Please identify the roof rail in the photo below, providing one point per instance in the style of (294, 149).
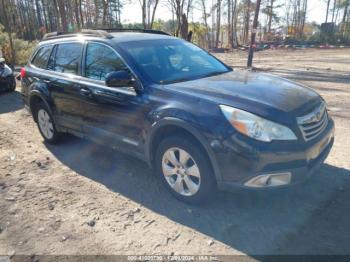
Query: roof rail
(140, 30)
(87, 32)
(105, 33)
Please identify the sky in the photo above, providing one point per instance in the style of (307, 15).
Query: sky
(131, 13)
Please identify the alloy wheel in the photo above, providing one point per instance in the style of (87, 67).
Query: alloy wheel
(181, 171)
(45, 124)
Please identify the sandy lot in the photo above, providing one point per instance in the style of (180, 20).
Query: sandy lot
(82, 198)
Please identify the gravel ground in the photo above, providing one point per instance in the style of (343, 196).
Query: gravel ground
(82, 198)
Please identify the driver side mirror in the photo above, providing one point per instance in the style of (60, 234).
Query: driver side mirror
(120, 79)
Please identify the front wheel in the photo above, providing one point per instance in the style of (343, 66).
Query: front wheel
(46, 124)
(185, 169)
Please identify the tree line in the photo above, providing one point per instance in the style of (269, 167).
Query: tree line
(30, 19)
(223, 22)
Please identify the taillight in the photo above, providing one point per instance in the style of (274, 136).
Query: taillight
(23, 72)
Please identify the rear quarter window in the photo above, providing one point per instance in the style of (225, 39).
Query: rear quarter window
(42, 56)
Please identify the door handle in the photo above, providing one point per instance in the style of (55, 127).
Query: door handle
(47, 81)
(85, 92)
(109, 95)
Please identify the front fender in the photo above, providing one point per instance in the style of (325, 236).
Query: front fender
(172, 121)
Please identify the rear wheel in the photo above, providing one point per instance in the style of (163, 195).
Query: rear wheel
(46, 124)
(185, 169)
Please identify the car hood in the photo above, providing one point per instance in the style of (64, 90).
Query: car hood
(253, 92)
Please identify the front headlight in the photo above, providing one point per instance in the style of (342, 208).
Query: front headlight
(256, 127)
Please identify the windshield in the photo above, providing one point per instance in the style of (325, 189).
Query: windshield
(173, 60)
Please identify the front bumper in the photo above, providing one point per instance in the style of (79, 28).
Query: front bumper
(243, 160)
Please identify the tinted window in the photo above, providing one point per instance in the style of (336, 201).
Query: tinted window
(67, 58)
(168, 61)
(42, 56)
(101, 60)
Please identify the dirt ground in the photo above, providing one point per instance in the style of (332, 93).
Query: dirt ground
(82, 198)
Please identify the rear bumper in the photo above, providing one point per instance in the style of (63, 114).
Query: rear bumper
(244, 160)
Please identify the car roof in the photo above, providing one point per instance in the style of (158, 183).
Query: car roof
(116, 37)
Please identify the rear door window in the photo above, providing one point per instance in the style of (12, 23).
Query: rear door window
(101, 60)
(42, 56)
(67, 58)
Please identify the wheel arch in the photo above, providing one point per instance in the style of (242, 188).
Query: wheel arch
(170, 125)
(35, 98)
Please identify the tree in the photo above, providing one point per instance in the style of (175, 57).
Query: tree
(234, 24)
(38, 12)
(270, 15)
(7, 9)
(229, 23)
(246, 20)
(296, 16)
(345, 14)
(63, 15)
(253, 34)
(334, 10)
(149, 8)
(223, 23)
(77, 15)
(181, 9)
(218, 23)
(205, 16)
(105, 4)
(327, 13)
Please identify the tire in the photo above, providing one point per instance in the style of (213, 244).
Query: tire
(46, 124)
(191, 181)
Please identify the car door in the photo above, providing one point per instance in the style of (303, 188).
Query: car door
(63, 81)
(114, 116)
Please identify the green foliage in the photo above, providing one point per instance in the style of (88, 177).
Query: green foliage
(166, 26)
(2, 36)
(23, 49)
(199, 36)
(133, 26)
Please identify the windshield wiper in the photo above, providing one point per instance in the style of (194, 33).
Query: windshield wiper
(190, 78)
(214, 73)
(183, 79)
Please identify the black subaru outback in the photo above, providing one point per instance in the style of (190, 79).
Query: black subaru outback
(197, 122)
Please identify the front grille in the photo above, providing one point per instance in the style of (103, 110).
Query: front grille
(312, 124)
